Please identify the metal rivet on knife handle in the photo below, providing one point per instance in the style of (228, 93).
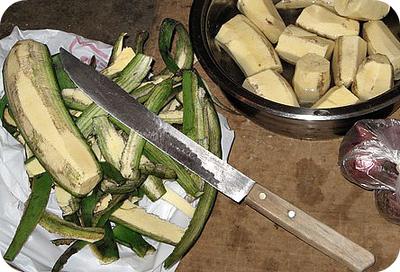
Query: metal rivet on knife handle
(291, 214)
(309, 229)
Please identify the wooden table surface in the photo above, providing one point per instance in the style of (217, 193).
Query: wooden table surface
(305, 173)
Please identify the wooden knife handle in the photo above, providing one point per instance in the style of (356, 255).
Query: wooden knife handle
(309, 229)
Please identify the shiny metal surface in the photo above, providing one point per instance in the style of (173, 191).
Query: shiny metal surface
(126, 109)
(207, 16)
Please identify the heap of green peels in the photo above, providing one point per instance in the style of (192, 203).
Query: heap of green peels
(131, 168)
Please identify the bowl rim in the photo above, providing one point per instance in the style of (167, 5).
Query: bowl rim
(197, 25)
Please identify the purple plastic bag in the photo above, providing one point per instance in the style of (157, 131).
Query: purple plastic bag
(369, 156)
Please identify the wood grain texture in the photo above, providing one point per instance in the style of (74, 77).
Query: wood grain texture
(309, 229)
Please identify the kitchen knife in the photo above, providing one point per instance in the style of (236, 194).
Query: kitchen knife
(213, 170)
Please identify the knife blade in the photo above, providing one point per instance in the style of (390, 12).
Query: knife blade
(213, 170)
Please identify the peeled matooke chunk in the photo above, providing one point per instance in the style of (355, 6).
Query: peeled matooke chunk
(67, 202)
(247, 46)
(338, 96)
(374, 77)
(264, 15)
(324, 22)
(349, 53)
(312, 78)
(296, 42)
(35, 101)
(363, 10)
(382, 41)
(296, 4)
(272, 86)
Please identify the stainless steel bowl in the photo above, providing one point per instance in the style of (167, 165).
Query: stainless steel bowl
(207, 16)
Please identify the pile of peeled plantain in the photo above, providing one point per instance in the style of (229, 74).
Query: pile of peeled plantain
(334, 65)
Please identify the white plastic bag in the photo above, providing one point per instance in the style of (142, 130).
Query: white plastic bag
(39, 254)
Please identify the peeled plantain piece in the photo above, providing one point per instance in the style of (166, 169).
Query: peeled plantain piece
(349, 53)
(296, 4)
(325, 23)
(363, 10)
(247, 46)
(312, 78)
(296, 42)
(338, 96)
(374, 77)
(382, 41)
(264, 15)
(272, 86)
(67, 202)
